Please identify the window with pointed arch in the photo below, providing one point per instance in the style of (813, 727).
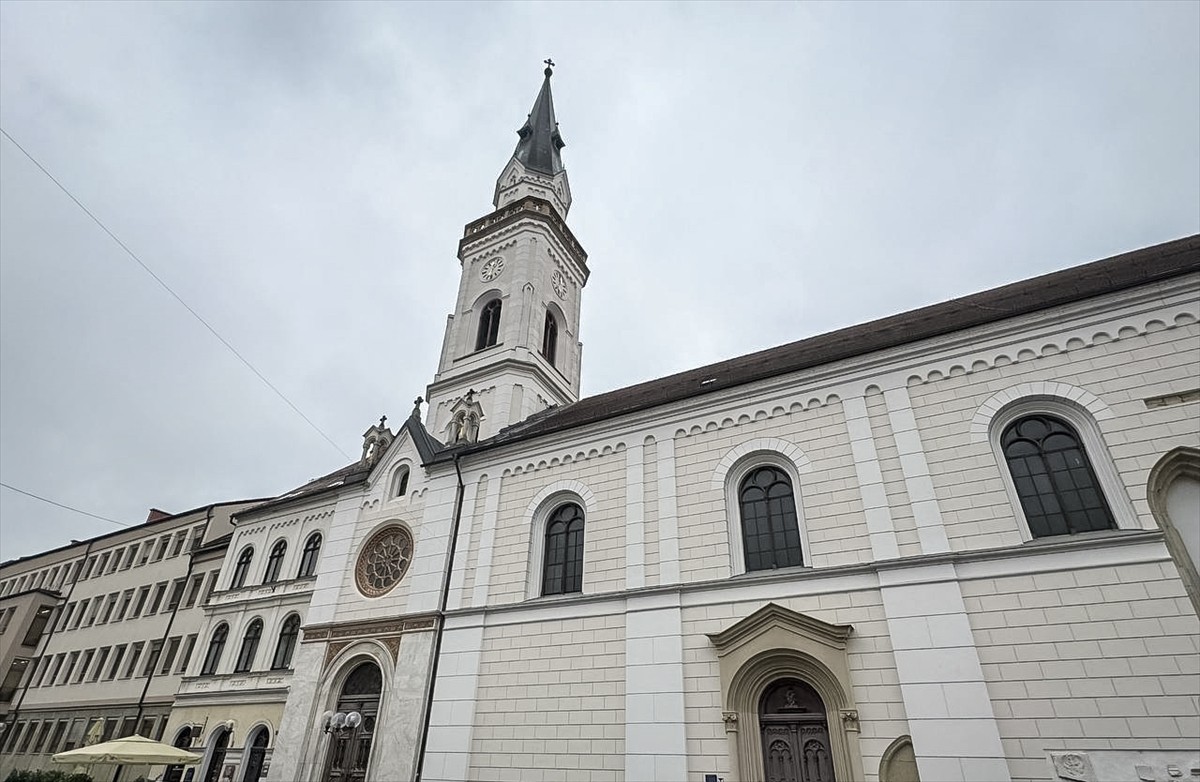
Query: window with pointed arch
(1054, 479)
(242, 569)
(550, 338)
(489, 325)
(770, 529)
(216, 647)
(275, 562)
(310, 555)
(286, 646)
(562, 563)
(246, 655)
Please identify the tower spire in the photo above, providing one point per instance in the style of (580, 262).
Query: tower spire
(540, 140)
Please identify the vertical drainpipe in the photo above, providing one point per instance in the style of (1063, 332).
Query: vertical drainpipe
(45, 643)
(440, 620)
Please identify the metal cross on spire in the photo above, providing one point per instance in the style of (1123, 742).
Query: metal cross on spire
(549, 66)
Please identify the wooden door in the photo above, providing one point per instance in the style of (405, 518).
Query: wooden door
(795, 734)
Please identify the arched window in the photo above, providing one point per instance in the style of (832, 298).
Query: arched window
(1053, 477)
(216, 760)
(245, 658)
(242, 568)
(216, 647)
(287, 643)
(550, 338)
(770, 532)
(562, 570)
(308, 559)
(275, 562)
(400, 481)
(489, 325)
(256, 755)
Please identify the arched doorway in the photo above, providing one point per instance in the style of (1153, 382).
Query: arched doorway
(256, 755)
(350, 743)
(216, 760)
(795, 733)
(183, 740)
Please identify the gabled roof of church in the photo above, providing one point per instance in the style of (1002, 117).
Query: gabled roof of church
(540, 139)
(1120, 272)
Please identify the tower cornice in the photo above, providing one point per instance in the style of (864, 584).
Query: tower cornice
(527, 207)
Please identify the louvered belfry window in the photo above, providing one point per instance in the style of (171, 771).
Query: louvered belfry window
(1055, 481)
(562, 571)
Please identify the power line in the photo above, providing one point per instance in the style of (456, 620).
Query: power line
(175, 295)
(60, 505)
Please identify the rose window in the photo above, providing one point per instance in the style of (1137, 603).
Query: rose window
(383, 561)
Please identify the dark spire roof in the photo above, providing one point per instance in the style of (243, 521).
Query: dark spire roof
(540, 139)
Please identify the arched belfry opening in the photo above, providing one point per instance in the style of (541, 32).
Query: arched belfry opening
(786, 698)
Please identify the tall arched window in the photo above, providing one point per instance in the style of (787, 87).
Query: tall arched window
(489, 325)
(562, 571)
(287, 643)
(770, 532)
(400, 481)
(216, 647)
(242, 568)
(308, 559)
(245, 658)
(1055, 481)
(275, 562)
(550, 338)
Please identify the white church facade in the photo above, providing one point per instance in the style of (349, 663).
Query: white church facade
(955, 544)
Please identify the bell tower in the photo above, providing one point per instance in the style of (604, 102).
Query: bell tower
(512, 343)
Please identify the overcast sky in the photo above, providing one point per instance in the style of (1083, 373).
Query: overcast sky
(744, 176)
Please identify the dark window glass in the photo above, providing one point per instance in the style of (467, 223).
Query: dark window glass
(550, 338)
(275, 562)
(1055, 481)
(245, 658)
(401, 482)
(489, 325)
(212, 658)
(12, 679)
(770, 533)
(287, 643)
(242, 568)
(37, 626)
(308, 560)
(563, 564)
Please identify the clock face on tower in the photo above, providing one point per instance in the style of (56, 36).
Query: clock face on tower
(491, 270)
(560, 284)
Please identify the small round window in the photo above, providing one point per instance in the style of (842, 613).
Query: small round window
(383, 561)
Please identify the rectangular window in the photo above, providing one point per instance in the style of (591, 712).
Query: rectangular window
(193, 594)
(5, 617)
(126, 599)
(83, 607)
(176, 594)
(42, 668)
(113, 669)
(43, 734)
(147, 727)
(161, 550)
(12, 679)
(116, 561)
(110, 728)
(57, 666)
(197, 538)
(109, 605)
(60, 729)
(87, 662)
(211, 586)
(37, 626)
(93, 611)
(74, 734)
(143, 593)
(169, 657)
(103, 563)
(180, 542)
(87, 570)
(188, 647)
(130, 555)
(12, 736)
(65, 616)
(28, 737)
(127, 726)
(135, 652)
(147, 549)
(160, 589)
(72, 658)
(156, 647)
(101, 658)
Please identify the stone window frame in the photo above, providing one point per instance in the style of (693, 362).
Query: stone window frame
(1180, 462)
(400, 481)
(369, 591)
(1084, 421)
(538, 512)
(736, 465)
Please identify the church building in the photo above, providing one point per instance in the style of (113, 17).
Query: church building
(958, 543)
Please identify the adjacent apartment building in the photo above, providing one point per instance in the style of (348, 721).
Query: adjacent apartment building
(97, 634)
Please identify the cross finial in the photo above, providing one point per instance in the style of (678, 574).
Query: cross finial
(382, 421)
(416, 413)
(549, 66)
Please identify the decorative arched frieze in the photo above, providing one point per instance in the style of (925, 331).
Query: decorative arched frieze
(1059, 343)
(764, 413)
(567, 458)
(986, 414)
(776, 643)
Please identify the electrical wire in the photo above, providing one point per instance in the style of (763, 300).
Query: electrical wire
(175, 295)
(65, 507)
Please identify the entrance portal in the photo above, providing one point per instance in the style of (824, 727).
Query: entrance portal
(350, 743)
(795, 734)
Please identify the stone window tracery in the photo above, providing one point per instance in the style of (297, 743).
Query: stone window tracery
(383, 561)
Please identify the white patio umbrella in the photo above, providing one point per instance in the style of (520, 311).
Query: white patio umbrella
(131, 750)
